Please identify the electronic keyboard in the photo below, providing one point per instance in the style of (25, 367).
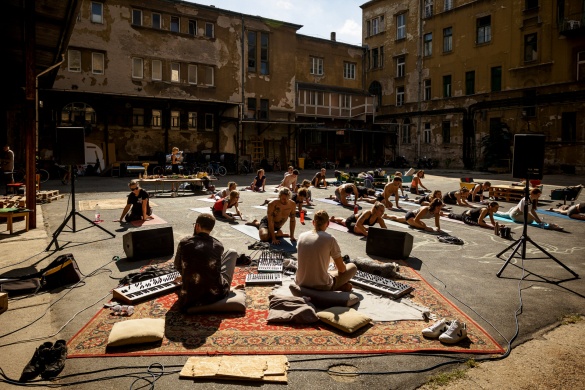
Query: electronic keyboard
(380, 284)
(146, 289)
(270, 261)
(268, 278)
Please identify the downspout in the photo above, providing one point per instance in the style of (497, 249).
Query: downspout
(241, 105)
(419, 70)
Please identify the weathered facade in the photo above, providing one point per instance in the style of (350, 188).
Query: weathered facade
(457, 79)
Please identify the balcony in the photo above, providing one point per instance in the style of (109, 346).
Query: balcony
(573, 26)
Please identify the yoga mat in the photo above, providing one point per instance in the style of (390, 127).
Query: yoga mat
(331, 201)
(207, 200)
(106, 204)
(155, 221)
(285, 243)
(202, 209)
(451, 220)
(533, 223)
(407, 226)
(336, 226)
(552, 213)
(307, 212)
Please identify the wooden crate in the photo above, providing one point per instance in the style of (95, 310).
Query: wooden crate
(507, 193)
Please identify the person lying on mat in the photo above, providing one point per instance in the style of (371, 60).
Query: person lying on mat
(457, 197)
(426, 199)
(299, 198)
(232, 185)
(205, 269)
(576, 211)
(390, 189)
(477, 194)
(414, 218)
(315, 249)
(138, 201)
(476, 215)
(416, 182)
(359, 223)
(221, 206)
(343, 191)
(279, 210)
(306, 184)
(289, 181)
(368, 195)
(319, 179)
(259, 182)
(516, 213)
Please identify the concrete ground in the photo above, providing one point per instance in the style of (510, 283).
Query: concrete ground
(464, 274)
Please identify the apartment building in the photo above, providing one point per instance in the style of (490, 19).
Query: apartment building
(456, 79)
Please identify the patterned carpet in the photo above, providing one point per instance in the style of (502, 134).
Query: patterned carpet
(250, 334)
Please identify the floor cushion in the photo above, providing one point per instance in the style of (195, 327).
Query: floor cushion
(344, 318)
(144, 330)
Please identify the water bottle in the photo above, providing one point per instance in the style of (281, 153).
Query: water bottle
(98, 217)
(302, 216)
(355, 209)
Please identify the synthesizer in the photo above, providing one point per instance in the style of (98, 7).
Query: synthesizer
(270, 261)
(146, 289)
(267, 278)
(380, 284)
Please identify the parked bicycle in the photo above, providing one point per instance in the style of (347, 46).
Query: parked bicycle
(214, 168)
(245, 167)
(19, 174)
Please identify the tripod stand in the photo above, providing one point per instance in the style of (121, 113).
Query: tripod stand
(71, 216)
(521, 242)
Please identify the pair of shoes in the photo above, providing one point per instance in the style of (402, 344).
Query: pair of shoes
(48, 361)
(448, 332)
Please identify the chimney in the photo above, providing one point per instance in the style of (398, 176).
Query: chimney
(333, 36)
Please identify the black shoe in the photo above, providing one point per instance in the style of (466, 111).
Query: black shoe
(36, 364)
(55, 362)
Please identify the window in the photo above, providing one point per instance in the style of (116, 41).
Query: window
(447, 40)
(349, 70)
(264, 53)
(569, 126)
(399, 96)
(156, 21)
(400, 66)
(447, 5)
(252, 108)
(316, 66)
(581, 65)
(531, 4)
(175, 27)
(401, 26)
(427, 133)
(447, 86)
(156, 69)
(97, 12)
(374, 61)
(175, 72)
(193, 27)
(368, 26)
(251, 51)
(381, 60)
(209, 76)
(192, 69)
(427, 89)
(97, 63)
(446, 132)
(175, 120)
(138, 117)
(428, 44)
(530, 47)
(137, 68)
(209, 30)
(345, 101)
(192, 121)
(208, 122)
(74, 60)
(470, 82)
(316, 98)
(263, 114)
(484, 29)
(405, 135)
(156, 115)
(375, 26)
(136, 17)
(428, 8)
(496, 78)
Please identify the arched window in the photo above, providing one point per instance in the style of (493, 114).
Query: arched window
(376, 89)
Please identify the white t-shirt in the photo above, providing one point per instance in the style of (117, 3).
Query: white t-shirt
(315, 250)
(520, 206)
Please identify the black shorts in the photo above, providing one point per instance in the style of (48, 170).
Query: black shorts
(350, 223)
(409, 215)
(264, 224)
(448, 200)
(175, 168)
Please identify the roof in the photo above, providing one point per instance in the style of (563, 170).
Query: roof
(332, 88)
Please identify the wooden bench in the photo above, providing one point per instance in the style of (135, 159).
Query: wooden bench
(9, 214)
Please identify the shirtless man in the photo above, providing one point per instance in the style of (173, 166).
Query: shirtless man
(279, 210)
(343, 191)
(390, 189)
(289, 181)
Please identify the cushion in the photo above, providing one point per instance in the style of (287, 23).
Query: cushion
(325, 298)
(145, 330)
(344, 318)
(234, 302)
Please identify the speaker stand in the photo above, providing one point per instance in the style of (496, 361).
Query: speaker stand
(71, 217)
(521, 242)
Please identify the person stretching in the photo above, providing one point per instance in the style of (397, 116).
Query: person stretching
(457, 197)
(576, 211)
(476, 215)
(416, 181)
(414, 218)
(359, 223)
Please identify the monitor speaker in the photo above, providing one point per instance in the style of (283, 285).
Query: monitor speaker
(70, 145)
(528, 156)
(150, 243)
(389, 244)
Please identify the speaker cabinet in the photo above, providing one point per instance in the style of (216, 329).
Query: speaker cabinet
(389, 244)
(150, 243)
(70, 145)
(528, 156)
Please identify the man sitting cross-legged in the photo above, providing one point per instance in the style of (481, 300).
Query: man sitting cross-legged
(279, 210)
(315, 249)
(206, 270)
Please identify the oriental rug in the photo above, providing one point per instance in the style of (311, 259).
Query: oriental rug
(249, 333)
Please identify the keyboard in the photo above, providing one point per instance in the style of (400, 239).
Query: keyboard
(267, 278)
(270, 261)
(146, 289)
(380, 284)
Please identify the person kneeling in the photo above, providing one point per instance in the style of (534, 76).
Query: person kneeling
(206, 270)
(315, 249)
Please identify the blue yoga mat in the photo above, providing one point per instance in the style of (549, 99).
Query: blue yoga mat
(552, 213)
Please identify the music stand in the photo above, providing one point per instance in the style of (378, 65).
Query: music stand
(72, 215)
(524, 238)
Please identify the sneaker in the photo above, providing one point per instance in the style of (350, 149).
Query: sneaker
(55, 362)
(36, 364)
(436, 329)
(456, 332)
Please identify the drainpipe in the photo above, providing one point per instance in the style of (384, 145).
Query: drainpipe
(241, 106)
(419, 70)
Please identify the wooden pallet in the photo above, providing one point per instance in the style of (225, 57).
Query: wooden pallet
(507, 193)
(48, 196)
(12, 201)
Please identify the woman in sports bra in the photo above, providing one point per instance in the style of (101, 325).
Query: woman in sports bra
(414, 218)
(416, 181)
(478, 190)
(359, 223)
(476, 215)
(221, 206)
(457, 197)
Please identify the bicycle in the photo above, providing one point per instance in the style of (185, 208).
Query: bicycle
(245, 167)
(20, 175)
(215, 169)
